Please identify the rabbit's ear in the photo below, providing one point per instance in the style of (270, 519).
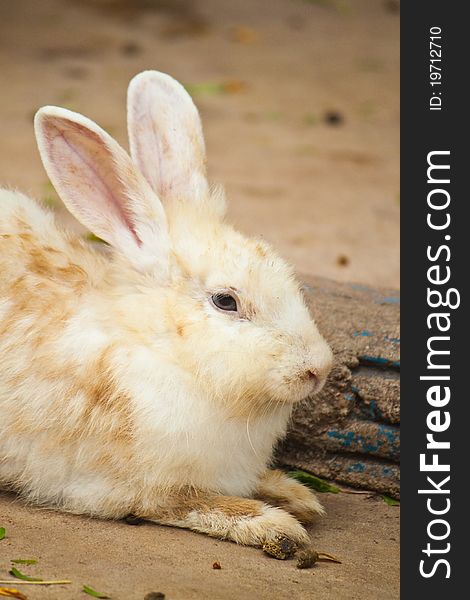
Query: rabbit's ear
(101, 187)
(166, 139)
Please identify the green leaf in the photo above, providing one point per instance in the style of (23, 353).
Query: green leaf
(91, 592)
(14, 571)
(274, 115)
(2, 533)
(24, 561)
(310, 119)
(390, 501)
(91, 237)
(313, 482)
(340, 5)
(50, 201)
(211, 88)
(204, 88)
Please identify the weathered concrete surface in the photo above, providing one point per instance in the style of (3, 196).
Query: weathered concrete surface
(351, 431)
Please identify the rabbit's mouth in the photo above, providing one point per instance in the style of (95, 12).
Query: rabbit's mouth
(301, 368)
(318, 385)
(302, 385)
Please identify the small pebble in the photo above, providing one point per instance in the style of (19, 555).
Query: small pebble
(342, 260)
(392, 6)
(131, 49)
(333, 117)
(216, 565)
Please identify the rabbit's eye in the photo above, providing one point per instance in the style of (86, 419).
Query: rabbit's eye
(225, 302)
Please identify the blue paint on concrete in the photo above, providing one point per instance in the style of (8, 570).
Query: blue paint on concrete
(345, 439)
(371, 410)
(392, 434)
(392, 340)
(361, 288)
(357, 468)
(373, 469)
(377, 412)
(363, 333)
(379, 361)
(383, 440)
(391, 300)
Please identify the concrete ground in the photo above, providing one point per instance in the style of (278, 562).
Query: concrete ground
(305, 139)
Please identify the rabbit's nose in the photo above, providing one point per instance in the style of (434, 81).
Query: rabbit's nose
(319, 365)
(315, 379)
(311, 375)
(322, 360)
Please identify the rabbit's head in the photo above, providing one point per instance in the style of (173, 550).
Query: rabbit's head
(233, 315)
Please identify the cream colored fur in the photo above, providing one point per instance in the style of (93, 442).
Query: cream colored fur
(122, 388)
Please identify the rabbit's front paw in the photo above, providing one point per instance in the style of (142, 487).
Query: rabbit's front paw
(278, 489)
(242, 520)
(274, 527)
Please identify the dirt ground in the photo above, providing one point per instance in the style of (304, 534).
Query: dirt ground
(128, 562)
(299, 100)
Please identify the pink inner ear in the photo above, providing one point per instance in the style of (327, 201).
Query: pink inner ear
(145, 139)
(86, 175)
(165, 136)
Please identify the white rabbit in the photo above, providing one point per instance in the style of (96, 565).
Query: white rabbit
(154, 380)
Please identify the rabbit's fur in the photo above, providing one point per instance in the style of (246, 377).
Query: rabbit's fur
(123, 389)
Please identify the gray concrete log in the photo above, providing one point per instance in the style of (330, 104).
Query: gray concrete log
(350, 432)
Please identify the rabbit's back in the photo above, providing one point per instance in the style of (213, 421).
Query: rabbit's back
(46, 277)
(33, 246)
(44, 273)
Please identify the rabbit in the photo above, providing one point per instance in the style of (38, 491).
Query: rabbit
(153, 379)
